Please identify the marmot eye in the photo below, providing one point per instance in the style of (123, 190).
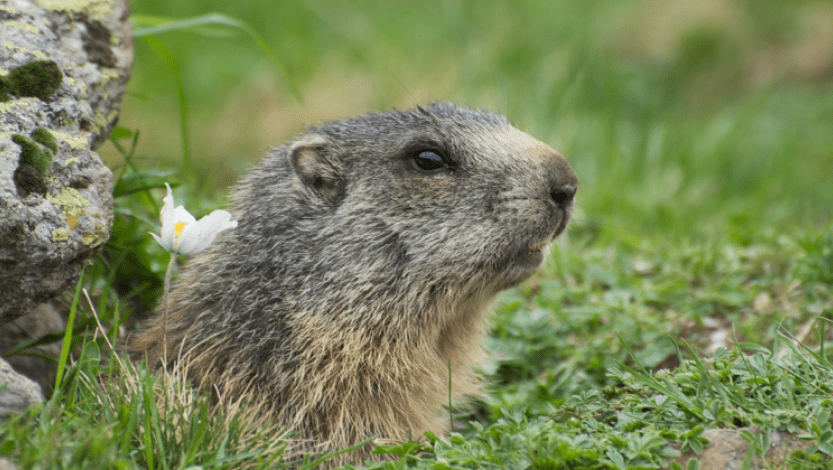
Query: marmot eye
(428, 161)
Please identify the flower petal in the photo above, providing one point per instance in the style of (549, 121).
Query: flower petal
(183, 222)
(167, 247)
(183, 234)
(182, 215)
(199, 236)
(167, 219)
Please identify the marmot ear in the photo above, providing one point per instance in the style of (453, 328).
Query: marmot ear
(316, 164)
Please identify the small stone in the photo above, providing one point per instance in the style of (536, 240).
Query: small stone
(643, 267)
(727, 450)
(42, 320)
(6, 464)
(21, 392)
(762, 302)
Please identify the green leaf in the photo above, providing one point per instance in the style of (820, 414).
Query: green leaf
(90, 359)
(7, 446)
(120, 132)
(62, 362)
(142, 181)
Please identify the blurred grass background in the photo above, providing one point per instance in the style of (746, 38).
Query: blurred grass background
(682, 119)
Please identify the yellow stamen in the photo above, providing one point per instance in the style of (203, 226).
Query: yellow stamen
(179, 227)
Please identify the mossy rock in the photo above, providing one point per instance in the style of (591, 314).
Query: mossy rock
(35, 154)
(39, 79)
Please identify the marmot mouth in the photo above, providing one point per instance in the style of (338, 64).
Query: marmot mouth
(518, 265)
(537, 247)
(521, 262)
(525, 258)
(562, 225)
(545, 242)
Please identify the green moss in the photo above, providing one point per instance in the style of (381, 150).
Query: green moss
(4, 90)
(39, 79)
(39, 150)
(34, 154)
(43, 137)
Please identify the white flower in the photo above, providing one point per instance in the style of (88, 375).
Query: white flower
(183, 234)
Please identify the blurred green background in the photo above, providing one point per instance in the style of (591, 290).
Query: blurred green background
(684, 119)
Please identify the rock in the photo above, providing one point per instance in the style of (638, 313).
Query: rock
(21, 393)
(63, 68)
(43, 319)
(727, 450)
(5, 464)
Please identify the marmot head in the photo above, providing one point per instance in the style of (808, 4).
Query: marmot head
(366, 254)
(403, 206)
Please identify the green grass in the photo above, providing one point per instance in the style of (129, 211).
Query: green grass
(631, 425)
(702, 242)
(568, 385)
(120, 417)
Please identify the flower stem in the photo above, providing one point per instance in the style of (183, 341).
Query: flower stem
(165, 310)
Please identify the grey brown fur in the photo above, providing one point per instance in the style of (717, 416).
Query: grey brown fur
(354, 278)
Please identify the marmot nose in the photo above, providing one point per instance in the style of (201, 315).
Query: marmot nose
(562, 194)
(562, 182)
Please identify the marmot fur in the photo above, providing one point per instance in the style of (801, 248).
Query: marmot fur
(367, 254)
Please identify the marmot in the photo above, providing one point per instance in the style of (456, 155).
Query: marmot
(367, 254)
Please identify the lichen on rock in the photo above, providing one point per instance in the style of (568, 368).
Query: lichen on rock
(60, 235)
(96, 9)
(70, 200)
(98, 237)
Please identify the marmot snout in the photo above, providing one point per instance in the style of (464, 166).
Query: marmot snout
(367, 254)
